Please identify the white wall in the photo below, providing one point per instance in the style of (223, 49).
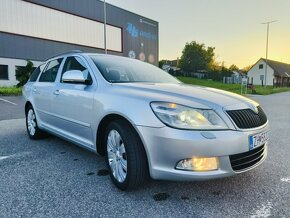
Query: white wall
(24, 18)
(12, 63)
(255, 73)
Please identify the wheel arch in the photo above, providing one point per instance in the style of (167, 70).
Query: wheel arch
(27, 104)
(100, 138)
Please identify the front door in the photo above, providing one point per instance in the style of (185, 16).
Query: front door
(72, 104)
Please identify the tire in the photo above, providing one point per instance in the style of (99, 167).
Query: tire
(125, 156)
(31, 125)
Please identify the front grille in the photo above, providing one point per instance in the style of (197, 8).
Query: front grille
(246, 160)
(246, 118)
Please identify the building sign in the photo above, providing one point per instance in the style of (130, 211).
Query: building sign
(244, 81)
(135, 32)
(261, 77)
(143, 37)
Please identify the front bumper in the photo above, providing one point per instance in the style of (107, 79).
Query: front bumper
(166, 146)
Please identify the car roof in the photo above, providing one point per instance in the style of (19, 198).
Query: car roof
(78, 52)
(63, 54)
(87, 54)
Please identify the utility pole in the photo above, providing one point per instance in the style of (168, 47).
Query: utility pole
(105, 28)
(267, 42)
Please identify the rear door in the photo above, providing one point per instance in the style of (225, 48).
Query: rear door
(72, 104)
(42, 91)
(32, 79)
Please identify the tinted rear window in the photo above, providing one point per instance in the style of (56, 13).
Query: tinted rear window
(51, 70)
(33, 77)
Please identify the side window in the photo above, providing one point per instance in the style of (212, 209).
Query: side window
(50, 72)
(75, 63)
(33, 77)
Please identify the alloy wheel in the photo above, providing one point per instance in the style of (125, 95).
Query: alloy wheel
(117, 156)
(31, 122)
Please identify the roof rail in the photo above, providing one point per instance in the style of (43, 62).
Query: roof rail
(64, 53)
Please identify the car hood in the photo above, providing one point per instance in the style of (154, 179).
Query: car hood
(195, 96)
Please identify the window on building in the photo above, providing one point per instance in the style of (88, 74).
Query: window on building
(76, 63)
(50, 72)
(261, 66)
(4, 72)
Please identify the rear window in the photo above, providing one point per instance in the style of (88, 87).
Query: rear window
(50, 72)
(33, 77)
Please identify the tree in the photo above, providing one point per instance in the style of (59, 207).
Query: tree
(196, 57)
(233, 67)
(161, 63)
(23, 73)
(247, 68)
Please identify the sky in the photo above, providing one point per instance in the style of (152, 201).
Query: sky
(233, 27)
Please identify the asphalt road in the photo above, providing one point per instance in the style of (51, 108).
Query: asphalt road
(11, 107)
(54, 178)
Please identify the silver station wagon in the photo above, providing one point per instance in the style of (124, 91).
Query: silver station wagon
(144, 121)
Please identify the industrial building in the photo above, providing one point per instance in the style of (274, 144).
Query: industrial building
(38, 29)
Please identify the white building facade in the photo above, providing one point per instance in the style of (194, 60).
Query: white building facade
(257, 73)
(8, 67)
(278, 73)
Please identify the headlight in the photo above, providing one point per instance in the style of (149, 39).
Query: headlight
(182, 117)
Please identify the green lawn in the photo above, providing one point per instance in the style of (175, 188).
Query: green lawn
(236, 88)
(10, 91)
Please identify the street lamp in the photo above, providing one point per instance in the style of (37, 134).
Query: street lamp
(268, 24)
(105, 29)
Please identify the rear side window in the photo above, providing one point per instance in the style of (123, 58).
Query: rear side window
(33, 77)
(50, 72)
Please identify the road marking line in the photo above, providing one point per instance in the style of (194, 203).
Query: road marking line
(263, 211)
(285, 179)
(1, 99)
(15, 155)
(4, 157)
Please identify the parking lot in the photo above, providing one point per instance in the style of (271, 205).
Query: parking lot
(54, 178)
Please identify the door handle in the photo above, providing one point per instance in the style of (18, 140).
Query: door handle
(34, 90)
(56, 92)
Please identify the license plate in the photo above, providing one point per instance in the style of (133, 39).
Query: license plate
(258, 139)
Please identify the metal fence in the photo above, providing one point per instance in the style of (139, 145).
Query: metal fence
(233, 80)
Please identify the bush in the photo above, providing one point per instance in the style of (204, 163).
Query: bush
(23, 73)
(218, 75)
(10, 91)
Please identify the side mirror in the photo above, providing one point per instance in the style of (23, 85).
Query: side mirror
(75, 76)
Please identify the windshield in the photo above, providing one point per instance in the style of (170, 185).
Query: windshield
(125, 70)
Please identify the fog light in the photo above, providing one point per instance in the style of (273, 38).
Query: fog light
(198, 164)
